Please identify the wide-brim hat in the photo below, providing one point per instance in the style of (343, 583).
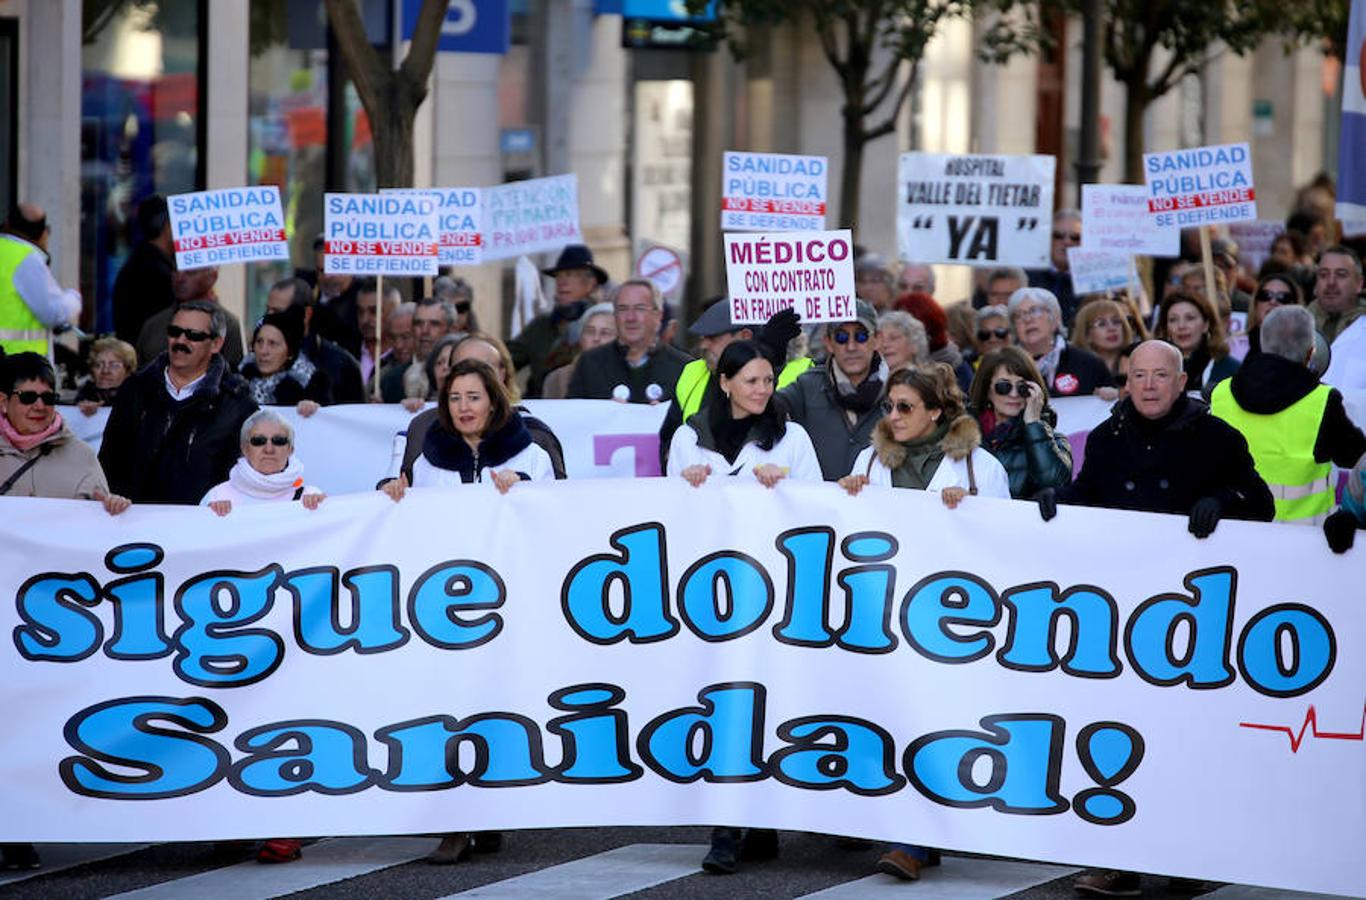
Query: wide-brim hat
(577, 256)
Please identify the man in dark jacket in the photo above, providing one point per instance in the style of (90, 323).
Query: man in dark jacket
(341, 367)
(1067, 369)
(540, 344)
(174, 430)
(1296, 428)
(143, 286)
(637, 367)
(1161, 451)
(840, 402)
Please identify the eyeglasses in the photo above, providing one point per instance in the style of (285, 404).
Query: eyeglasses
(901, 408)
(259, 440)
(639, 309)
(28, 398)
(1031, 312)
(189, 334)
(1004, 388)
(1278, 297)
(843, 337)
(986, 334)
(1071, 237)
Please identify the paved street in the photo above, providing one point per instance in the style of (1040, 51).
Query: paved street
(578, 864)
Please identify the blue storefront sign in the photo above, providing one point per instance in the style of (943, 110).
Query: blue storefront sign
(471, 26)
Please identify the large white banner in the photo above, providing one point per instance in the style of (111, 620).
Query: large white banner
(977, 209)
(1100, 690)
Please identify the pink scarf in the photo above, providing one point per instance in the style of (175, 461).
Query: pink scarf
(25, 442)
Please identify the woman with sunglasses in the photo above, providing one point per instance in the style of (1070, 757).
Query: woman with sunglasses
(993, 330)
(39, 454)
(740, 430)
(1273, 292)
(277, 373)
(927, 441)
(267, 471)
(1011, 404)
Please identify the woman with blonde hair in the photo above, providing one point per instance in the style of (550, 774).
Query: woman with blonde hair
(1103, 327)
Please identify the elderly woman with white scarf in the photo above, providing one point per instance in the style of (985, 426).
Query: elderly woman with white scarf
(267, 471)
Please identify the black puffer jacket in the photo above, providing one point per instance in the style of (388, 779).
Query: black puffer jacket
(158, 450)
(1033, 454)
(1164, 466)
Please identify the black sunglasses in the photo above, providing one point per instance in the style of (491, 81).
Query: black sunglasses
(986, 334)
(28, 398)
(842, 337)
(190, 334)
(1281, 297)
(259, 440)
(1004, 388)
(902, 408)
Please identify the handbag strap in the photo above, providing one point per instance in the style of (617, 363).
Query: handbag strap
(972, 478)
(18, 473)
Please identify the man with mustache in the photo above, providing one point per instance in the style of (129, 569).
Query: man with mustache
(190, 284)
(174, 430)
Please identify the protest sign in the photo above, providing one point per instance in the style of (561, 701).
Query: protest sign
(533, 216)
(232, 225)
(877, 666)
(1100, 271)
(975, 209)
(773, 192)
(1254, 240)
(458, 211)
(1115, 217)
(811, 273)
(1200, 186)
(380, 234)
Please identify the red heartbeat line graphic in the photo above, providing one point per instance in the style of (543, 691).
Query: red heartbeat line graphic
(1311, 718)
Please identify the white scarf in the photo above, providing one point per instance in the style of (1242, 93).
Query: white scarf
(280, 486)
(1048, 363)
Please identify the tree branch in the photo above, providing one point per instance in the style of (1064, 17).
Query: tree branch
(367, 68)
(881, 86)
(831, 48)
(888, 125)
(421, 56)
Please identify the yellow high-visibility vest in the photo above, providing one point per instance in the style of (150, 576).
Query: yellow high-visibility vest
(1282, 446)
(20, 329)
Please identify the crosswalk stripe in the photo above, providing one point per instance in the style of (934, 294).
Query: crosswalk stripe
(323, 863)
(631, 868)
(953, 879)
(57, 857)
(1247, 892)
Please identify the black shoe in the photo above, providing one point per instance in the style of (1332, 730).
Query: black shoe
(19, 857)
(454, 848)
(724, 856)
(487, 841)
(759, 843)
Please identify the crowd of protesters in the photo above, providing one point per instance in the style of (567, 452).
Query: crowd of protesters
(1219, 407)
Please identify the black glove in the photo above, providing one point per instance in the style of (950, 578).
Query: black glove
(775, 334)
(1205, 516)
(1048, 503)
(1341, 530)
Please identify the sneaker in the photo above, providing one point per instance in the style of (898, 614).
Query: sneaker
(759, 844)
(724, 856)
(280, 850)
(1109, 883)
(900, 864)
(454, 848)
(19, 857)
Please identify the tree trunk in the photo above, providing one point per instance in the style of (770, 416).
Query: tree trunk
(1136, 100)
(392, 128)
(851, 175)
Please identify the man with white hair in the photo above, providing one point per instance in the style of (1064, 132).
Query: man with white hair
(915, 278)
(1067, 369)
(1296, 428)
(1161, 451)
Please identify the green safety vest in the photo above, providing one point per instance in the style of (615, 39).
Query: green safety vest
(20, 329)
(1282, 446)
(693, 380)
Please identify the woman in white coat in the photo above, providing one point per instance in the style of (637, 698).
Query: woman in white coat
(267, 471)
(739, 430)
(927, 441)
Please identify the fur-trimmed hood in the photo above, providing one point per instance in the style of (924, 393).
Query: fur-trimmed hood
(964, 436)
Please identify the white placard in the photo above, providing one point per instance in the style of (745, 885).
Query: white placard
(232, 225)
(1200, 186)
(172, 675)
(1100, 271)
(1254, 240)
(380, 234)
(1115, 217)
(974, 209)
(460, 241)
(535, 216)
(811, 273)
(773, 192)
